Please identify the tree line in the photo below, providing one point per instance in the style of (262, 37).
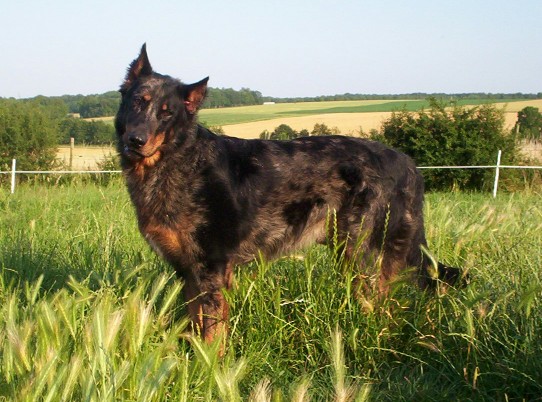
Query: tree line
(408, 96)
(106, 104)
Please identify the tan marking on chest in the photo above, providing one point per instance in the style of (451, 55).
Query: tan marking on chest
(148, 162)
(163, 240)
(167, 242)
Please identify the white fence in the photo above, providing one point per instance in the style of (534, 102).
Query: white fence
(497, 168)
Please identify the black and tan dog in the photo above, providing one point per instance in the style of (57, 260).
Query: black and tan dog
(206, 202)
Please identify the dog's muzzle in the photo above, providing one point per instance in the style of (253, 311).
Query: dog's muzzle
(137, 140)
(134, 144)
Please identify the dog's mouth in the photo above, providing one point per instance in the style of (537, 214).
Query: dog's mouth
(132, 153)
(138, 154)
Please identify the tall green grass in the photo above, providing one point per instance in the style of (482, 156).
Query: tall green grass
(87, 312)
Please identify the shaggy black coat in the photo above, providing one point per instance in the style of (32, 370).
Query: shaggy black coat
(206, 202)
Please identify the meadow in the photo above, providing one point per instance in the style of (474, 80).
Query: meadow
(88, 312)
(349, 117)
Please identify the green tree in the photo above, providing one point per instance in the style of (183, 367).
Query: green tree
(453, 136)
(27, 134)
(322, 129)
(54, 108)
(99, 105)
(283, 132)
(86, 132)
(529, 124)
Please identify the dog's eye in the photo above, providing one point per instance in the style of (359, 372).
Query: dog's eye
(140, 102)
(165, 112)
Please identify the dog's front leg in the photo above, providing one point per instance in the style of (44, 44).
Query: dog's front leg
(207, 306)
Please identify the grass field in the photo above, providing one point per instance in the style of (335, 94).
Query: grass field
(87, 312)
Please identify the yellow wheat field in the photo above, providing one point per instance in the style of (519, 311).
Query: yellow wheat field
(84, 157)
(351, 123)
(347, 123)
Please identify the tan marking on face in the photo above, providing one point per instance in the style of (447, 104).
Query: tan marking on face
(147, 97)
(164, 107)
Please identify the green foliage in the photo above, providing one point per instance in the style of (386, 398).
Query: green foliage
(285, 132)
(28, 134)
(451, 136)
(215, 129)
(99, 105)
(529, 124)
(87, 312)
(322, 129)
(54, 108)
(86, 132)
(281, 132)
(227, 97)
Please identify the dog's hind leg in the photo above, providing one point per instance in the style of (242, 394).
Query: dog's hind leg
(393, 261)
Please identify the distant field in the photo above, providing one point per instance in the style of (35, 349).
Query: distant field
(246, 114)
(347, 123)
(348, 116)
(84, 157)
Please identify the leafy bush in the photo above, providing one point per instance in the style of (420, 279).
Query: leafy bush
(285, 132)
(451, 135)
(529, 124)
(28, 134)
(99, 105)
(86, 132)
(323, 129)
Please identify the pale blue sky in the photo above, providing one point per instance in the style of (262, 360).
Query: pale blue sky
(281, 48)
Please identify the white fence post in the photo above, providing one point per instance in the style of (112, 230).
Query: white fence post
(13, 164)
(496, 184)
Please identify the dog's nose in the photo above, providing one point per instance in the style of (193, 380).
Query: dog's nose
(137, 140)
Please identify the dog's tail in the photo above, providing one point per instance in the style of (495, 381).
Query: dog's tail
(450, 276)
(431, 272)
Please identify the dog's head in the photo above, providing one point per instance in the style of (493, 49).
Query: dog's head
(155, 110)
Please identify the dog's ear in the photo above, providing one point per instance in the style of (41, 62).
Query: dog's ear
(194, 94)
(140, 67)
